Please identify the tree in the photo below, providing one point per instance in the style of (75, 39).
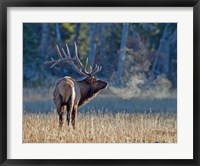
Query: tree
(92, 43)
(138, 44)
(102, 39)
(77, 31)
(58, 34)
(122, 52)
(44, 42)
(161, 63)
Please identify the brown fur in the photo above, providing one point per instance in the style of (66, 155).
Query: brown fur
(69, 94)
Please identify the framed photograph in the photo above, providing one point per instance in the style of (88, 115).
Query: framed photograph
(99, 83)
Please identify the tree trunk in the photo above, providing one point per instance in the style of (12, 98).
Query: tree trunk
(112, 40)
(138, 45)
(102, 39)
(122, 52)
(173, 58)
(44, 42)
(58, 34)
(43, 50)
(162, 51)
(92, 43)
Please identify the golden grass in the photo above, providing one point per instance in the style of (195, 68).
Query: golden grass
(101, 128)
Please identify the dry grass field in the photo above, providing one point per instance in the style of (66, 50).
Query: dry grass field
(106, 119)
(101, 128)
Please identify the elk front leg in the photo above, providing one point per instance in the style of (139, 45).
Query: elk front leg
(74, 111)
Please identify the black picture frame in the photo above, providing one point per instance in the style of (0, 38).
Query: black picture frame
(98, 3)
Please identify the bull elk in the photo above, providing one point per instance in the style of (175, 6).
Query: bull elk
(69, 94)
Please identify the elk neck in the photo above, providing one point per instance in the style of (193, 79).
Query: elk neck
(87, 92)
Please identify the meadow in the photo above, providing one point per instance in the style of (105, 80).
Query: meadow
(106, 119)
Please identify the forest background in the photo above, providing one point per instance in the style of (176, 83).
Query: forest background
(138, 59)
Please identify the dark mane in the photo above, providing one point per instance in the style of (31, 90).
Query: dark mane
(87, 92)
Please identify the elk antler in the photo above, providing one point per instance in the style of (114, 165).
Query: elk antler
(67, 58)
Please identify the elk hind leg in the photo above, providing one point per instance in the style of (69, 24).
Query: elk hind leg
(70, 104)
(61, 111)
(74, 111)
(61, 119)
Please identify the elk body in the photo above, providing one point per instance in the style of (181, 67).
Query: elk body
(68, 93)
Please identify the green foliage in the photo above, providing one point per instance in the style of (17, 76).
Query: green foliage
(83, 41)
